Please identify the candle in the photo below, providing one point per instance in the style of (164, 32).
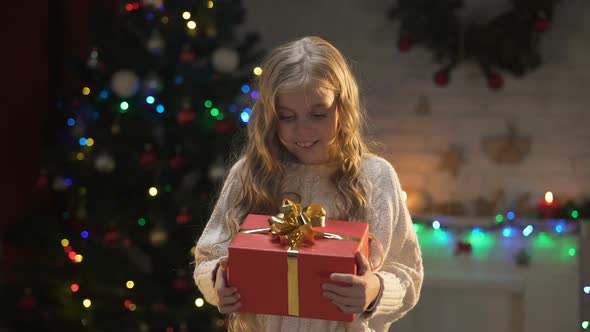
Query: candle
(548, 207)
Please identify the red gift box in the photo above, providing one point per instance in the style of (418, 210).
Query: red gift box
(274, 279)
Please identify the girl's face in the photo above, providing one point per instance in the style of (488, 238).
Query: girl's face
(307, 122)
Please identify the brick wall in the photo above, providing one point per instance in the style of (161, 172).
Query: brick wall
(551, 105)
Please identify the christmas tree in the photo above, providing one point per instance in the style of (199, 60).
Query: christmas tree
(131, 170)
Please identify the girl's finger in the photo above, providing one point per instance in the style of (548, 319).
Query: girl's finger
(346, 277)
(229, 300)
(346, 308)
(226, 291)
(363, 263)
(352, 301)
(220, 279)
(347, 291)
(229, 309)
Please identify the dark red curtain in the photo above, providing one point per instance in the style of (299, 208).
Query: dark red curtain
(38, 37)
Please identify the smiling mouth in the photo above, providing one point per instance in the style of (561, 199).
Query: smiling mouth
(305, 145)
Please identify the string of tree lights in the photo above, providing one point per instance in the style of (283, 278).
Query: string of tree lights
(143, 126)
(508, 41)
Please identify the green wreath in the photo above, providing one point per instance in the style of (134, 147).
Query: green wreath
(508, 41)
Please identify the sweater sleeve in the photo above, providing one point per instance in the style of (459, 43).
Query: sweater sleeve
(211, 245)
(402, 272)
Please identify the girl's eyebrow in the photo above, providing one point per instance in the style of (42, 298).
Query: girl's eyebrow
(320, 104)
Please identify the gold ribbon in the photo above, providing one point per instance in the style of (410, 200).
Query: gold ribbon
(296, 227)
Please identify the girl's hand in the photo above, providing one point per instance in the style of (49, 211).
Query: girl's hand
(228, 296)
(362, 291)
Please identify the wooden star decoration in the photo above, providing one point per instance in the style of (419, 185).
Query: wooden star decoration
(451, 160)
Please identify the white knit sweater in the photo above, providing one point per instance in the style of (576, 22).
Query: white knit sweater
(401, 274)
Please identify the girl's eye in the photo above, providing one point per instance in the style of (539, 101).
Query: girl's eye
(319, 115)
(286, 117)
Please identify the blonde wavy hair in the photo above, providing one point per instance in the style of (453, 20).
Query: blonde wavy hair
(305, 61)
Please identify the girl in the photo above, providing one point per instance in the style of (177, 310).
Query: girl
(305, 143)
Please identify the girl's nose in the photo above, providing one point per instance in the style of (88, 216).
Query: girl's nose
(303, 127)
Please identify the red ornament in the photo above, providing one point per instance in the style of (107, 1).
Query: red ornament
(223, 127)
(148, 159)
(187, 56)
(441, 78)
(404, 44)
(183, 218)
(185, 116)
(27, 302)
(177, 162)
(112, 238)
(463, 247)
(42, 182)
(542, 24)
(181, 284)
(495, 81)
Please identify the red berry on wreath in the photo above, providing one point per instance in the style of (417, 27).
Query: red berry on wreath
(495, 81)
(404, 44)
(441, 78)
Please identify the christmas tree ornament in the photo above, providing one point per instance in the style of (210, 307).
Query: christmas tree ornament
(156, 43)
(217, 170)
(92, 61)
(211, 31)
(59, 184)
(112, 238)
(187, 55)
(158, 236)
(178, 161)
(183, 217)
(189, 181)
(223, 127)
(148, 158)
(181, 284)
(225, 60)
(104, 163)
(28, 301)
(42, 180)
(143, 327)
(125, 83)
(185, 116)
(152, 84)
(79, 130)
(153, 4)
(116, 128)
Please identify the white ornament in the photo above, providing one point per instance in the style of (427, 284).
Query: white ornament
(153, 4)
(156, 43)
(217, 171)
(225, 60)
(125, 83)
(152, 84)
(93, 59)
(104, 163)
